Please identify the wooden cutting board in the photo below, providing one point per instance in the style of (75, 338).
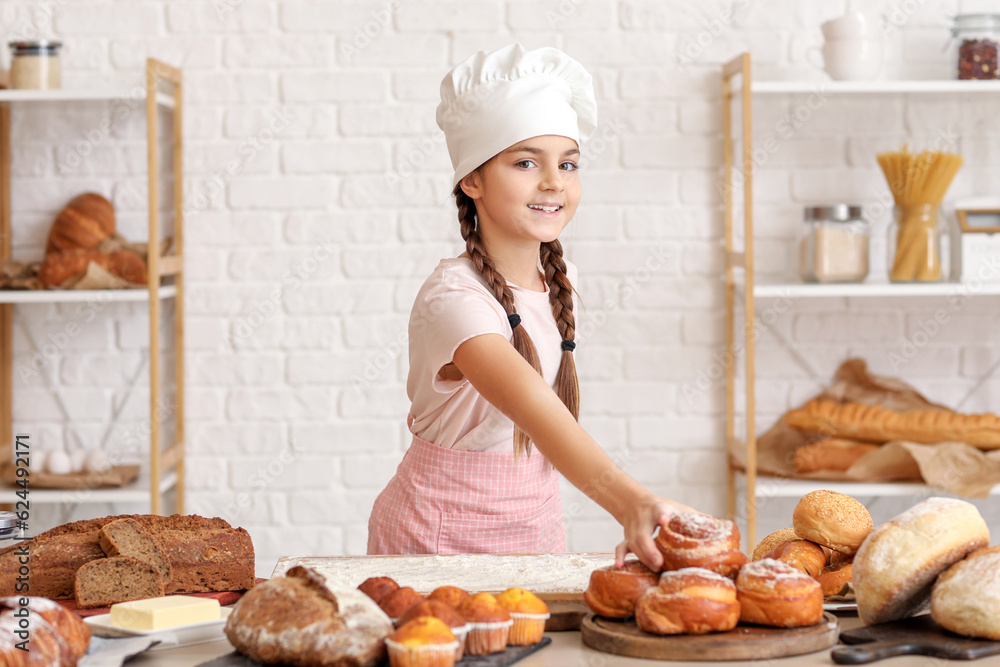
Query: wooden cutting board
(744, 642)
(911, 636)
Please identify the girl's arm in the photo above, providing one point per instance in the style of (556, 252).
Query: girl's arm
(508, 382)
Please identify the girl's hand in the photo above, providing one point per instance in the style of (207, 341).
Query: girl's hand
(639, 526)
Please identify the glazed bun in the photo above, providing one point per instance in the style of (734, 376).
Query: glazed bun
(613, 592)
(803, 555)
(698, 540)
(966, 598)
(776, 594)
(896, 566)
(832, 519)
(688, 601)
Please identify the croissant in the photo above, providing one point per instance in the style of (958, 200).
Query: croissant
(874, 423)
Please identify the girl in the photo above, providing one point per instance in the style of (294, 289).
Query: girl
(492, 333)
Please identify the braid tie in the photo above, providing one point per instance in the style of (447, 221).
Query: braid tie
(514, 320)
(568, 346)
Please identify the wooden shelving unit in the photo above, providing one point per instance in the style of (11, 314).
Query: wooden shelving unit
(165, 469)
(739, 88)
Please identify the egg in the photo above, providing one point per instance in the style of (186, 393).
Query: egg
(37, 460)
(97, 461)
(58, 463)
(77, 458)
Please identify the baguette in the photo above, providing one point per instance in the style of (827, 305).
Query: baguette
(830, 454)
(873, 423)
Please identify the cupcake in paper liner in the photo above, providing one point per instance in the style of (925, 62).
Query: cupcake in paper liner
(529, 614)
(443, 612)
(489, 624)
(423, 642)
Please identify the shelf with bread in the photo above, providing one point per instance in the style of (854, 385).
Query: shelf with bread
(86, 261)
(739, 91)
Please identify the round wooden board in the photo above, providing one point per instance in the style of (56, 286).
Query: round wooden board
(744, 642)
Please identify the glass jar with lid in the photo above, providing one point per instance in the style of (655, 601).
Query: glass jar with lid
(35, 65)
(833, 246)
(975, 38)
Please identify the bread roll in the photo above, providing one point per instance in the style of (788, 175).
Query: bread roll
(966, 597)
(689, 539)
(56, 637)
(691, 600)
(832, 519)
(86, 221)
(833, 578)
(897, 564)
(59, 267)
(773, 540)
(774, 593)
(613, 591)
(803, 555)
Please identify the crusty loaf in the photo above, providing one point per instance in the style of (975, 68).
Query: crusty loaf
(128, 537)
(58, 267)
(56, 637)
(86, 220)
(966, 597)
(874, 423)
(205, 554)
(837, 454)
(898, 562)
(209, 560)
(297, 620)
(53, 565)
(103, 582)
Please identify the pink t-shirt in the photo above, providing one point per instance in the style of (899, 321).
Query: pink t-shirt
(453, 305)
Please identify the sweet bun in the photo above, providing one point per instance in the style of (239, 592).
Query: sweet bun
(803, 555)
(832, 519)
(613, 591)
(688, 601)
(773, 540)
(896, 566)
(834, 578)
(697, 540)
(966, 597)
(776, 594)
(378, 587)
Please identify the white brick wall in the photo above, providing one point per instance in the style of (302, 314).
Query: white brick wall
(317, 117)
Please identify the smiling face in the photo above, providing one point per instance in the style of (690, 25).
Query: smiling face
(528, 193)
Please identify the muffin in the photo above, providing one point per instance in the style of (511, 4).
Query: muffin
(489, 624)
(450, 595)
(446, 613)
(528, 613)
(423, 642)
(377, 587)
(397, 602)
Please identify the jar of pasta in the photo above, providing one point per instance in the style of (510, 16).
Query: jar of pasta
(35, 65)
(834, 244)
(919, 245)
(976, 37)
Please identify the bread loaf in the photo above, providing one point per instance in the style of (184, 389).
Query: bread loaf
(898, 562)
(873, 423)
(837, 454)
(105, 581)
(205, 554)
(57, 637)
(87, 220)
(59, 267)
(966, 597)
(297, 620)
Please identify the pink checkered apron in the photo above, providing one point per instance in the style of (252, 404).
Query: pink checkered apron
(445, 501)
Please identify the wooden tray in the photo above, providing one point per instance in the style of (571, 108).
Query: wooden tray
(744, 642)
(117, 476)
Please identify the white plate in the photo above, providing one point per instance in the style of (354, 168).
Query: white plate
(179, 635)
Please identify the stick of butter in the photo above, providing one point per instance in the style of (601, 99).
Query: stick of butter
(164, 612)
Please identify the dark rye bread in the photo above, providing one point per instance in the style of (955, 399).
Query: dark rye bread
(209, 560)
(127, 537)
(53, 565)
(103, 582)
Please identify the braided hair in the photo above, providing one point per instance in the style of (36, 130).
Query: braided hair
(560, 297)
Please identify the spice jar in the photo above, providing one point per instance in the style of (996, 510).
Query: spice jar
(977, 37)
(8, 525)
(35, 65)
(834, 244)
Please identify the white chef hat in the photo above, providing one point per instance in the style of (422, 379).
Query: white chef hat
(494, 100)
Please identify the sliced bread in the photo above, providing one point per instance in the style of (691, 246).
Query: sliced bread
(105, 581)
(128, 537)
